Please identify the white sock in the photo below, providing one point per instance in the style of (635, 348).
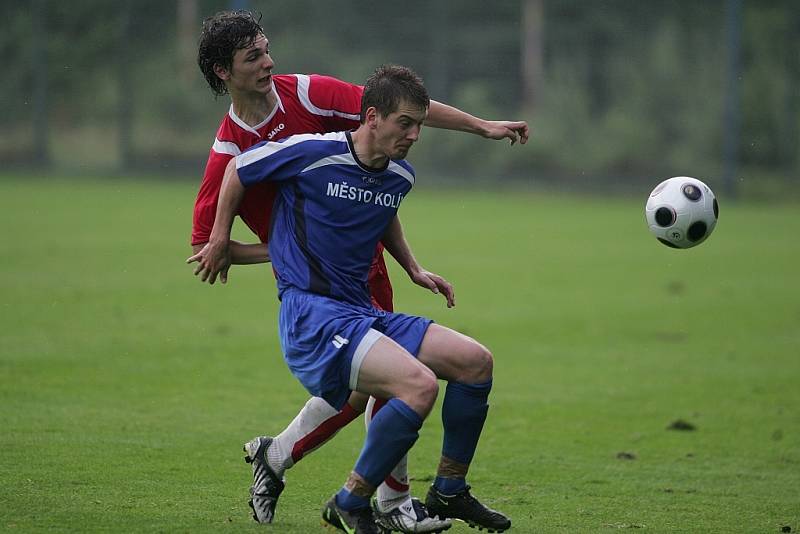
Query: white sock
(315, 412)
(389, 497)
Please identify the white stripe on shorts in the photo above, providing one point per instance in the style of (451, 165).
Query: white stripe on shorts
(364, 345)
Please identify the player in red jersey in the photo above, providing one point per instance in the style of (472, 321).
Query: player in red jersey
(234, 58)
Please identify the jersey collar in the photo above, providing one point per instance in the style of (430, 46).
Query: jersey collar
(254, 129)
(364, 167)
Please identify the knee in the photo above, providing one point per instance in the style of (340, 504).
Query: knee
(425, 390)
(481, 365)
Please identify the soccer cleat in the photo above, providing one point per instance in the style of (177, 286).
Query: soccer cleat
(467, 508)
(267, 487)
(355, 522)
(410, 516)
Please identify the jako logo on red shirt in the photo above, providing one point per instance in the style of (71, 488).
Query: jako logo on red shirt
(275, 130)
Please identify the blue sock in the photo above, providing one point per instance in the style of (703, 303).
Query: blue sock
(347, 501)
(449, 486)
(392, 432)
(463, 414)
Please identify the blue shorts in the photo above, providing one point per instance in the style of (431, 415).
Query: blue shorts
(325, 340)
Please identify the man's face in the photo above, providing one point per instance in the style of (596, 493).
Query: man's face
(251, 70)
(396, 133)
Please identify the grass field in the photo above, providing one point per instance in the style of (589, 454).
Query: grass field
(127, 387)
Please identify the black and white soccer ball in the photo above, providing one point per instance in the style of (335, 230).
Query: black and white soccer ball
(682, 212)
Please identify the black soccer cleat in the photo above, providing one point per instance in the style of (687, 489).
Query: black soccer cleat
(355, 522)
(467, 508)
(267, 487)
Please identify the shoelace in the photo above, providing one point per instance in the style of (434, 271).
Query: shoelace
(419, 509)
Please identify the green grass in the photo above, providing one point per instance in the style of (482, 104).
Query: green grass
(127, 387)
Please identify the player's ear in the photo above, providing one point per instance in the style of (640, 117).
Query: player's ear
(221, 72)
(371, 117)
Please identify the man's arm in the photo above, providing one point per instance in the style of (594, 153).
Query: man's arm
(205, 208)
(332, 94)
(243, 253)
(395, 242)
(215, 257)
(443, 116)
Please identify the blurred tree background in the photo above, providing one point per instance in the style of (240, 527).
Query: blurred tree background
(616, 91)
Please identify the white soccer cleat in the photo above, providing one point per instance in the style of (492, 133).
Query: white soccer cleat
(267, 487)
(410, 516)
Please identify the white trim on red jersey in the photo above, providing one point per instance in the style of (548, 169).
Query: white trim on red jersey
(254, 129)
(303, 82)
(226, 147)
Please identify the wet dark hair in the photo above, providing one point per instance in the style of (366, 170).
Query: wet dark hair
(222, 35)
(388, 86)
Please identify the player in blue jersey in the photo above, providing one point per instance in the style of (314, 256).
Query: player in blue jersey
(339, 195)
(235, 58)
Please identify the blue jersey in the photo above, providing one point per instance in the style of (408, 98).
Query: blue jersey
(330, 213)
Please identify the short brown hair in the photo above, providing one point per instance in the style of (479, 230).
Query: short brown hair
(388, 86)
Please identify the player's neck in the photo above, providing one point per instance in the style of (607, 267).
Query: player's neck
(366, 151)
(253, 108)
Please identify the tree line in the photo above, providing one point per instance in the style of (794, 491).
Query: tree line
(615, 90)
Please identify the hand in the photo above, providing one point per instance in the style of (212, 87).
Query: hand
(513, 130)
(212, 260)
(436, 284)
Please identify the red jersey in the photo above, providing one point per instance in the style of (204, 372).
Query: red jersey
(305, 104)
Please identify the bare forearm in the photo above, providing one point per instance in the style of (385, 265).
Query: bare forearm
(243, 253)
(449, 118)
(395, 242)
(249, 253)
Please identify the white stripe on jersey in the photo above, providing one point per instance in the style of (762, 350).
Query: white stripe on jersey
(303, 81)
(339, 159)
(348, 159)
(399, 169)
(225, 147)
(266, 150)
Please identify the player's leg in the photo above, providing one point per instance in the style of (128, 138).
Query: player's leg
(316, 423)
(307, 324)
(394, 491)
(384, 369)
(395, 509)
(467, 366)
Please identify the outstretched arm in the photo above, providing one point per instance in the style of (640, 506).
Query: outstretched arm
(395, 242)
(443, 116)
(215, 257)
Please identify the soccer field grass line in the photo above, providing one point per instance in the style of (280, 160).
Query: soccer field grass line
(127, 387)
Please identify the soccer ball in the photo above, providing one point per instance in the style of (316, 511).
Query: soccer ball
(681, 212)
